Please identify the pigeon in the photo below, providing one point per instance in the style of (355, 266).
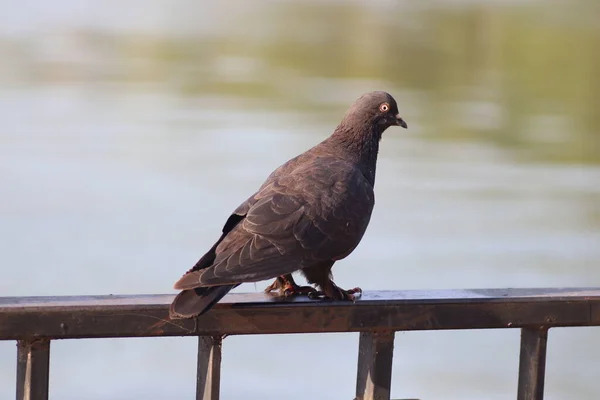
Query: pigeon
(310, 212)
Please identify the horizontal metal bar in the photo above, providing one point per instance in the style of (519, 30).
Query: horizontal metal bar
(532, 364)
(145, 316)
(33, 368)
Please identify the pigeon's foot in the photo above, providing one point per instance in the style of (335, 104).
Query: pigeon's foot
(285, 286)
(330, 291)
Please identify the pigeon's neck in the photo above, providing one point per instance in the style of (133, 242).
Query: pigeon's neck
(359, 145)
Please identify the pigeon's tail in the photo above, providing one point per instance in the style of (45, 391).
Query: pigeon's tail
(193, 302)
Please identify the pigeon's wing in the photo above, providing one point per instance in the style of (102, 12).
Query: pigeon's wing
(307, 216)
(238, 215)
(198, 300)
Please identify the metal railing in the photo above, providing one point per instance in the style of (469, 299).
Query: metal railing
(35, 321)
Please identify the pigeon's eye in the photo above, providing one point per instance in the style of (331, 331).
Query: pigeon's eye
(384, 107)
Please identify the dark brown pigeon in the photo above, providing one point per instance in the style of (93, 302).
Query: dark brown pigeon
(311, 212)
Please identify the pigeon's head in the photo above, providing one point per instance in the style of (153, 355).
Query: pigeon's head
(376, 109)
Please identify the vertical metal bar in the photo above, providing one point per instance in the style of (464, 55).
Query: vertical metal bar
(33, 367)
(209, 368)
(532, 364)
(374, 374)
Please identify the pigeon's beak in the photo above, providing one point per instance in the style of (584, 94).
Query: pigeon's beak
(400, 122)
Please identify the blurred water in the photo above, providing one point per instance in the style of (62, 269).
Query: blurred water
(130, 132)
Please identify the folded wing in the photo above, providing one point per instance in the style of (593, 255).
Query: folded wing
(289, 224)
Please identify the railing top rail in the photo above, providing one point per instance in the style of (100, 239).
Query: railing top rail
(257, 313)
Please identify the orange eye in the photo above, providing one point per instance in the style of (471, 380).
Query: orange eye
(384, 107)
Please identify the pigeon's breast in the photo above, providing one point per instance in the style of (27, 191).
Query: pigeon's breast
(340, 201)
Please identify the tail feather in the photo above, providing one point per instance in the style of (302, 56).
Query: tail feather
(193, 302)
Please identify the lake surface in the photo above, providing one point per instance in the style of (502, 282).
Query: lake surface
(130, 132)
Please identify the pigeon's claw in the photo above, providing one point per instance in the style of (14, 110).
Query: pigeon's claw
(276, 286)
(299, 291)
(354, 291)
(337, 293)
(285, 286)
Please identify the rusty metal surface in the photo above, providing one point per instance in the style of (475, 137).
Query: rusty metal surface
(208, 378)
(419, 296)
(33, 367)
(147, 315)
(532, 364)
(374, 373)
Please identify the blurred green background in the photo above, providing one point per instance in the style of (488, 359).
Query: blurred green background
(520, 74)
(130, 130)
